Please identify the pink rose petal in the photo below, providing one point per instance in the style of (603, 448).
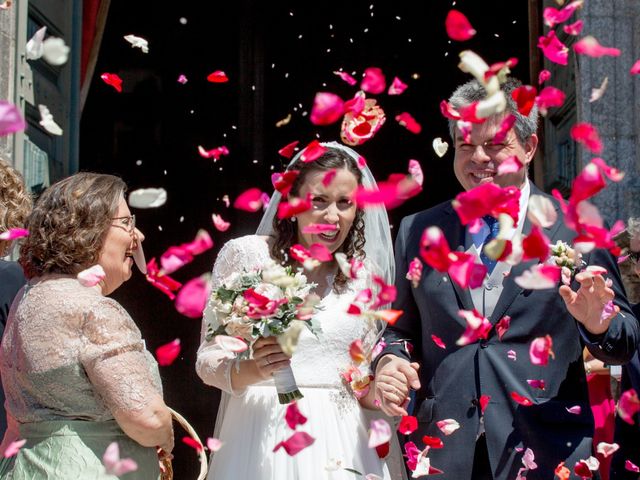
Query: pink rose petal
(214, 153)
(552, 16)
(448, 426)
(591, 47)
(553, 49)
(415, 170)
(14, 233)
(606, 449)
(11, 120)
(537, 383)
(510, 164)
(346, 77)
(231, 344)
(543, 76)
(550, 97)
(540, 350)
(507, 124)
(328, 177)
(114, 465)
(503, 326)
(458, 26)
(478, 327)
(511, 355)
(312, 151)
(379, 432)
(415, 272)
(293, 416)
(182, 79)
(13, 448)
(574, 28)
(407, 121)
(219, 223)
(91, 276)
(587, 134)
(374, 81)
(327, 108)
(635, 69)
(438, 341)
(249, 200)
(575, 410)
(288, 150)
(539, 277)
(397, 87)
(408, 424)
(167, 353)
(521, 400)
(213, 444)
(192, 298)
(632, 467)
(628, 406)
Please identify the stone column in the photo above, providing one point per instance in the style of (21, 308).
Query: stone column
(7, 71)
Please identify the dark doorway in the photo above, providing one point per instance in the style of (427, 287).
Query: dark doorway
(277, 55)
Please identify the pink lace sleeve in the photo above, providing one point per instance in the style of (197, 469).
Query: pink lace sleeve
(213, 364)
(121, 370)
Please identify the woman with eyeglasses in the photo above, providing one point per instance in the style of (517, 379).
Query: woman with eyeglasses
(75, 370)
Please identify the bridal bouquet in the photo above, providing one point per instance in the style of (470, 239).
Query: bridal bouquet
(272, 300)
(566, 257)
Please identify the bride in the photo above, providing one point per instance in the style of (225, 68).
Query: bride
(251, 421)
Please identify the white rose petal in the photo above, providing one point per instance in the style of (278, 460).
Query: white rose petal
(47, 121)
(138, 42)
(147, 198)
(440, 147)
(55, 51)
(34, 47)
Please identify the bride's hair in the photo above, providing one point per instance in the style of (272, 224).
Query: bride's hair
(285, 232)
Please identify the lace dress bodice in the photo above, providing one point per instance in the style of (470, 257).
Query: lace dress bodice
(317, 361)
(70, 353)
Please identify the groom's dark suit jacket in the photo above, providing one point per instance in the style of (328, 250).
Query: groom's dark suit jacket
(453, 379)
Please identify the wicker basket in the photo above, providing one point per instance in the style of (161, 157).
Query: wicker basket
(168, 473)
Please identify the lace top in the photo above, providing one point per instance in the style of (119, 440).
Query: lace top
(70, 353)
(317, 362)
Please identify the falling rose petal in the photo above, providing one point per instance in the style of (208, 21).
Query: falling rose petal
(138, 42)
(632, 467)
(606, 449)
(528, 459)
(14, 447)
(288, 150)
(283, 182)
(438, 341)
(389, 316)
(362, 162)
(521, 400)
(159, 280)
(379, 432)
(550, 97)
(543, 76)
(327, 108)
(487, 198)
(582, 470)
(217, 77)
(357, 104)
(587, 134)
(55, 52)
(193, 443)
(553, 17)
(320, 228)
(415, 272)
(440, 147)
(225, 200)
(507, 124)
(11, 120)
(608, 311)
(213, 444)
(147, 198)
(374, 81)
(448, 426)
(397, 87)
(356, 352)
(346, 77)
(231, 344)
(540, 350)
(535, 383)
(114, 465)
(612, 173)
(292, 207)
(407, 121)
(182, 79)
(539, 277)
(541, 211)
(360, 127)
(525, 98)
(458, 26)
(635, 69)
(113, 80)
(502, 326)
(47, 121)
(535, 245)
(408, 424)
(295, 443)
(192, 298)
(590, 47)
(219, 223)
(575, 410)
(328, 177)
(511, 355)
(562, 472)
(91, 276)
(312, 152)
(510, 164)
(249, 200)
(293, 416)
(214, 153)
(432, 442)
(416, 172)
(465, 130)
(167, 353)
(478, 327)
(501, 69)
(553, 49)
(14, 233)
(484, 401)
(628, 406)
(34, 47)
(573, 28)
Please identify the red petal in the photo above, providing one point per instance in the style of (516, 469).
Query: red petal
(589, 46)
(374, 81)
(525, 97)
(295, 443)
(193, 443)
(293, 416)
(582, 470)
(484, 401)
(406, 120)
(502, 326)
(292, 207)
(408, 424)
(524, 401)
(312, 151)
(635, 69)
(288, 150)
(383, 450)
(507, 124)
(432, 442)
(327, 108)
(535, 245)
(217, 77)
(167, 353)
(390, 316)
(112, 79)
(543, 76)
(587, 134)
(554, 49)
(192, 298)
(438, 341)
(283, 182)
(249, 200)
(550, 97)
(458, 26)
(574, 28)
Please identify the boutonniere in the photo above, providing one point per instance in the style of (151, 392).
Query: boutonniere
(568, 258)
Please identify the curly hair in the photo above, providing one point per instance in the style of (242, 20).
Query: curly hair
(15, 202)
(285, 232)
(69, 223)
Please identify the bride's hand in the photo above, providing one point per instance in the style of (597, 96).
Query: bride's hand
(269, 357)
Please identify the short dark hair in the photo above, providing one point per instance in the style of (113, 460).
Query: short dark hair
(69, 223)
(285, 233)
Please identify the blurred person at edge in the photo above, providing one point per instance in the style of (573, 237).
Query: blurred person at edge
(15, 205)
(75, 370)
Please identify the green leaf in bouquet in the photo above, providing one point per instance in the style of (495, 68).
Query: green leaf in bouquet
(226, 295)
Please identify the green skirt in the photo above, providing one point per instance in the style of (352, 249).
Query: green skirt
(73, 450)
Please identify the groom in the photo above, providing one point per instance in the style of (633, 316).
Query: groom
(477, 384)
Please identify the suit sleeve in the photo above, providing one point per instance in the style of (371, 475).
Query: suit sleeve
(407, 329)
(619, 343)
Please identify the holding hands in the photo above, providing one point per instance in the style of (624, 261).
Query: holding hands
(269, 357)
(393, 379)
(589, 304)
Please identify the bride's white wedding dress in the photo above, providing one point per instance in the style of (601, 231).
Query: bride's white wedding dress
(251, 423)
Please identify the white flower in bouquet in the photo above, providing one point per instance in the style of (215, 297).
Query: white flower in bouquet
(563, 255)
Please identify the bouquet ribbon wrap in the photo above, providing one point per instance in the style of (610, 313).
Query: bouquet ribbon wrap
(286, 386)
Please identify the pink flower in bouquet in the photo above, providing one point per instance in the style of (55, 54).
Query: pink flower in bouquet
(357, 380)
(263, 300)
(357, 129)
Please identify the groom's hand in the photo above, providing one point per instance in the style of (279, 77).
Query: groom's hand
(393, 378)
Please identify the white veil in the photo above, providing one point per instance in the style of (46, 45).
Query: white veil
(377, 233)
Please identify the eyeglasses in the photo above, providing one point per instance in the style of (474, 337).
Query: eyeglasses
(488, 147)
(128, 223)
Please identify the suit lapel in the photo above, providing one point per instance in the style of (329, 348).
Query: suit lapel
(454, 232)
(511, 289)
